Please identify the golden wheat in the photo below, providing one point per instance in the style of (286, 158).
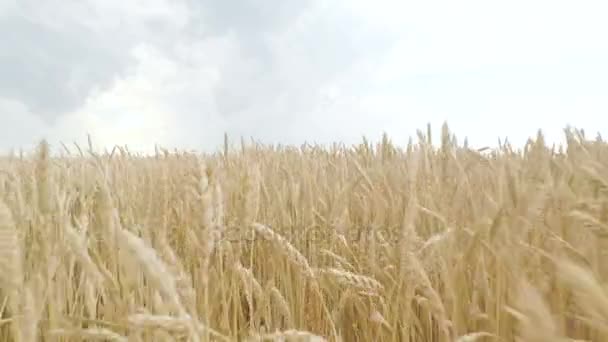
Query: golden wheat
(371, 242)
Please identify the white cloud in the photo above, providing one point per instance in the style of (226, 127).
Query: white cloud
(151, 105)
(18, 127)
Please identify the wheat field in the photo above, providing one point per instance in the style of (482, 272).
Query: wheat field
(372, 242)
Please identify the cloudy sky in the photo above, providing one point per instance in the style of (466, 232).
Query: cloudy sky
(180, 73)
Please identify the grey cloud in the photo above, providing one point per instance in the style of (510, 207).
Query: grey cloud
(248, 18)
(52, 71)
(312, 49)
(54, 54)
(277, 56)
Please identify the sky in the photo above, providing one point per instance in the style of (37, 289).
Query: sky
(181, 73)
